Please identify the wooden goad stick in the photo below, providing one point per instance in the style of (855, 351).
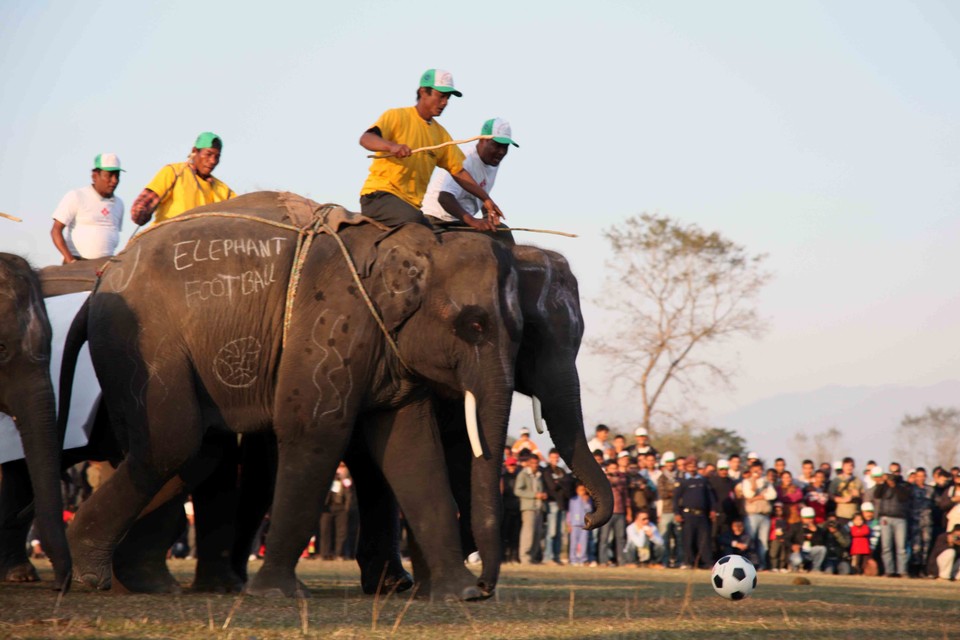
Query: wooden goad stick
(10, 217)
(436, 146)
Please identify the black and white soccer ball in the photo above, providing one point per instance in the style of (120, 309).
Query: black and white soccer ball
(734, 577)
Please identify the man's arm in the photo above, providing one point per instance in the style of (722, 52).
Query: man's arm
(452, 206)
(144, 206)
(372, 140)
(56, 233)
(468, 184)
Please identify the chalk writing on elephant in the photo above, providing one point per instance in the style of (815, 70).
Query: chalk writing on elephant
(189, 253)
(230, 285)
(237, 362)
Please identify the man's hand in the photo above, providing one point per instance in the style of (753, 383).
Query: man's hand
(678, 518)
(494, 215)
(713, 515)
(480, 224)
(400, 150)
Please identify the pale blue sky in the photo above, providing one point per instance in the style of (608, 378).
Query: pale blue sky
(823, 133)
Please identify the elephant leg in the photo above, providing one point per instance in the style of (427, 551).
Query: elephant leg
(307, 463)
(140, 560)
(258, 471)
(215, 501)
(378, 551)
(159, 449)
(16, 513)
(406, 444)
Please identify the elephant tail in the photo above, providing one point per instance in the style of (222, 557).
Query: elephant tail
(76, 337)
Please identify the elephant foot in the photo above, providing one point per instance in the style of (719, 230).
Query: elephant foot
(453, 590)
(91, 564)
(97, 577)
(270, 584)
(396, 577)
(216, 578)
(22, 572)
(145, 578)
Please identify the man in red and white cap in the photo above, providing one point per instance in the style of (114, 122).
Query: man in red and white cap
(87, 222)
(394, 190)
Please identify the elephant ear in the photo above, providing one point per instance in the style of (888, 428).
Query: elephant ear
(399, 275)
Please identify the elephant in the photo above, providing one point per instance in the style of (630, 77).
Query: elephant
(213, 345)
(26, 394)
(546, 371)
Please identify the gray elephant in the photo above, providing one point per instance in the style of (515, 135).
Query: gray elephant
(546, 371)
(218, 341)
(26, 393)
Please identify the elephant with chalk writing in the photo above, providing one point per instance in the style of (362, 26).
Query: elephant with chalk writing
(546, 371)
(224, 323)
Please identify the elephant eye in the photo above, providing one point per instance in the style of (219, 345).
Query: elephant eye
(471, 324)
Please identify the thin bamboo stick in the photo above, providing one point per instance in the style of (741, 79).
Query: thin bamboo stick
(10, 217)
(504, 229)
(436, 146)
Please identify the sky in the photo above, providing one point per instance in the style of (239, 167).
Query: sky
(824, 134)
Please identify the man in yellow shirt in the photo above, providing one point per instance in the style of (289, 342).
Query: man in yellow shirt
(182, 186)
(396, 184)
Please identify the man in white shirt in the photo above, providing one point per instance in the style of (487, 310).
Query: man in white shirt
(446, 202)
(92, 216)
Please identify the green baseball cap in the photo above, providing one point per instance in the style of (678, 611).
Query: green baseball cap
(440, 80)
(107, 162)
(205, 140)
(501, 132)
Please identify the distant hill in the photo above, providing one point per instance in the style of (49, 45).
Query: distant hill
(868, 417)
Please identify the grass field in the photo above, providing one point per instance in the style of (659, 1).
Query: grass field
(536, 602)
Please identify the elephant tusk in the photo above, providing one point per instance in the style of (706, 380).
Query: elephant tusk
(470, 413)
(537, 414)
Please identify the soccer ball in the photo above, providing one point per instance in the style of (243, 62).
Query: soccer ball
(734, 577)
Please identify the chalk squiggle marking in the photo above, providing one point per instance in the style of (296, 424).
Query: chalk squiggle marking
(117, 272)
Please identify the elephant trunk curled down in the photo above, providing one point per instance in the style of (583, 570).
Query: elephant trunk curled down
(200, 349)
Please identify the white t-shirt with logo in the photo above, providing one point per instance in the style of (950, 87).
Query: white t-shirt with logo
(92, 222)
(483, 174)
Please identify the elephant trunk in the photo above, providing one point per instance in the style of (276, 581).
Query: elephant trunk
(42, 445)
(485, 497)
(560, 406)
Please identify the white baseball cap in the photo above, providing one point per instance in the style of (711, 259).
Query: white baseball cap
(524, 431)
(499, 129)
(723, 464)
(876, 472)
(753, 455)
(668, 456)
(807, 512)
(838, 464)
(867, 506)
(107, 162)
(623, 454)
(641, 432)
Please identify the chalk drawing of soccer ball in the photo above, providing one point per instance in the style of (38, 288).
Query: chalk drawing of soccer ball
(734, 577)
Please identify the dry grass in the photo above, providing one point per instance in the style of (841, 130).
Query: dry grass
(538, 602)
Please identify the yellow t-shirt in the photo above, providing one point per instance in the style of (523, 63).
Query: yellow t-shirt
(189, 191)
(407, 178)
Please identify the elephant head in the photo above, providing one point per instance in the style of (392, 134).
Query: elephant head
(546, 365)
(26, 394)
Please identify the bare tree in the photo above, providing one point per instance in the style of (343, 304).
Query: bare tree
(673, 290)
(933, 437)
(824, 446)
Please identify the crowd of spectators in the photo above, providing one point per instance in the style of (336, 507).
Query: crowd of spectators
(674, 511)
